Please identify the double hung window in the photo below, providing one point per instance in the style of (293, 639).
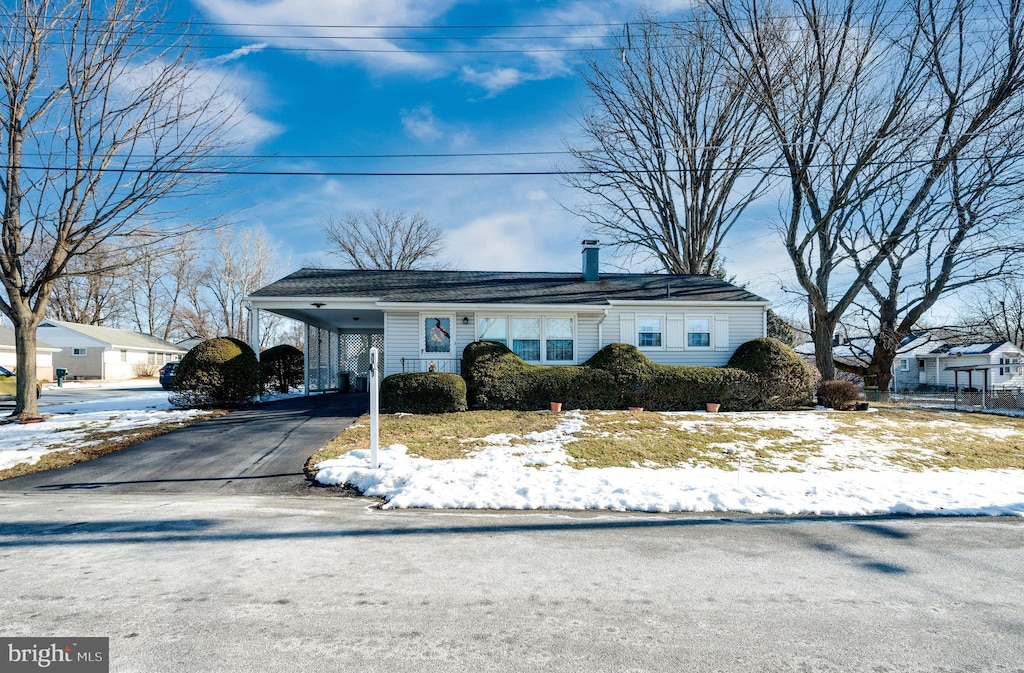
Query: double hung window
(534, 339)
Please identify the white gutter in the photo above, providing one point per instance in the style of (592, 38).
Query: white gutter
(686, 302)
(489, 306)
(600, 330)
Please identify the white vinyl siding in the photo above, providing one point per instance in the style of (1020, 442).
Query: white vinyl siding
(627, 329)
(401, 339)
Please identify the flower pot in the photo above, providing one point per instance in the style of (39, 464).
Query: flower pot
(556, 406)
(712, 407)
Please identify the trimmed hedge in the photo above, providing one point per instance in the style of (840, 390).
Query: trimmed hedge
(282, 368)
(423, 393)
(620, 376)
(218, 372)
(783, 379)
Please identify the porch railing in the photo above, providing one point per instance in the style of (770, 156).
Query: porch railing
(447, 365)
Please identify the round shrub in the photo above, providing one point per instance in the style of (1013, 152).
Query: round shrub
(495, 376)
(783, 379)
(423, 393)
(282, 368)
(838, 394)
(217, 372)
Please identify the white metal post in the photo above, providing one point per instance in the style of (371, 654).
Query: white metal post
(305, 361)
(374, 409)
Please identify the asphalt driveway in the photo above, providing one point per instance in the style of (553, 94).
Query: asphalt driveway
(260, 450)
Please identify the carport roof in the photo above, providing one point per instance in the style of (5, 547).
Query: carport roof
(502, 287)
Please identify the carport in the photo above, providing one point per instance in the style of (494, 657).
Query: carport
(338, 336)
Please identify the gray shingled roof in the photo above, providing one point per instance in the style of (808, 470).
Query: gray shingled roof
(7, 339)
(480, 287)
(119, 337)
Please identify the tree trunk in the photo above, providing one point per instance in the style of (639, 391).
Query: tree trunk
(27, 405)
(822, 334)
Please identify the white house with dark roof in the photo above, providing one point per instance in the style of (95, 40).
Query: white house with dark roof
(92, 352)
(925, 362)
(422, 320)
(933, 365)
(44, 355)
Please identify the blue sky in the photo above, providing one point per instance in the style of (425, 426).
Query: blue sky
(304, 99)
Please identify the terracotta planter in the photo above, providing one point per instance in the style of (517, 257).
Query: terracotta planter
(712, 407)
(556, 406)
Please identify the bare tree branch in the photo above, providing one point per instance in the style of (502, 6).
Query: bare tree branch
(382, 239)
(98, 124)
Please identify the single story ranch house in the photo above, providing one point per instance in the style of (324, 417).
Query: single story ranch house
(422, 320)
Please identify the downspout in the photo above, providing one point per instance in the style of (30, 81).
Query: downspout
(600, 330)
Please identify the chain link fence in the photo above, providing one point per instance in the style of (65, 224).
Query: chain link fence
(956, 399)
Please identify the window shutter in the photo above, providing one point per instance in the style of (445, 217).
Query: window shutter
(627, 329)
(721, 335)
(675, 331)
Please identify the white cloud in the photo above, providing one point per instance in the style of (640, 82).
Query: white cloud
(420, 123)
(308, 24)
(239, 53)
(494, 80)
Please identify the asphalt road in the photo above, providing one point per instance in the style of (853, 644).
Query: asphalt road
(53, 395)
(229, 583)
(261, 449)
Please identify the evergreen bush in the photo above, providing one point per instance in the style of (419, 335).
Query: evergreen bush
(766, 375)
(423, 393)
(783, 379)
(217, 372)
(282, 368)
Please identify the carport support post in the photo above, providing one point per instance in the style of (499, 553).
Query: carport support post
(374, 408)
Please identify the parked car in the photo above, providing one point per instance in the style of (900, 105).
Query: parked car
(167, 375)
(9, 385)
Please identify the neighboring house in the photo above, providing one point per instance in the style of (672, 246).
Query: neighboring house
(91, 352)
(44, 355)
(931, 365)
(422, 320)
(190, 343)
(928, 363)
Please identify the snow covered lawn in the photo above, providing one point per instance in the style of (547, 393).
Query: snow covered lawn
(84, 429)
(807, 462)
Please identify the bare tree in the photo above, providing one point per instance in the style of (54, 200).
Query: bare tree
(98, 124)
(161, 276)
(92, 290)
(861, 97)
(384, 239)
(998, 312)
(243, 261)
(669, 145)
(966, 234)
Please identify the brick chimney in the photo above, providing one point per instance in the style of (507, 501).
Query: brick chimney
(591, 249)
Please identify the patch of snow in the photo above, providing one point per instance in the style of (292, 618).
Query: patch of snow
(537, 474)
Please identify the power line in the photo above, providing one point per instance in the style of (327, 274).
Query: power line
(405, 174)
